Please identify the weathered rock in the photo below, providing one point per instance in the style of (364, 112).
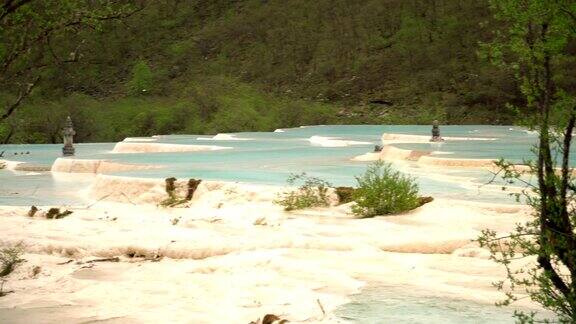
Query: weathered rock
(273, 319)
(192, 186)
(32, 211)
(424, 200)
(170, 186)
(270, 319)
(54, 213)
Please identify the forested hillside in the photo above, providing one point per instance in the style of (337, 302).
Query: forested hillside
(187, 66)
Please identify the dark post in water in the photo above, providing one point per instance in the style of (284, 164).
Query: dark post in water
(68, 135)
(436, 132)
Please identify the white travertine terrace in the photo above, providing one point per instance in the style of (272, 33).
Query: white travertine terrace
(233, 256)
(70, 165)
(223, 137)
(152, 191)
(367, 157)
(392, 153)
(388, 138)
(333, 141)
(449, 162)
(10, 165)
(139, 139)
(132, 147)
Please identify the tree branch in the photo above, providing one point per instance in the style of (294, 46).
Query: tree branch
(544, 262)
(566, 161)
(44, 35)
(21, 97)
(10, 6)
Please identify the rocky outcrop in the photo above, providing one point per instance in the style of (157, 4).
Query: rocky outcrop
(424, 200)
(192, 186)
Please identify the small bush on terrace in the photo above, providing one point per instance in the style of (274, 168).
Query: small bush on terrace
(10, 257)
(173, 200)
(384, 191)
(311, 193)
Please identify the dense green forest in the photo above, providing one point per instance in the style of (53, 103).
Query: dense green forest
(189, 66)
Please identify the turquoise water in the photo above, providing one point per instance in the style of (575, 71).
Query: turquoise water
(382, 304)
(46, 154)
(271, 157)
(25, 189)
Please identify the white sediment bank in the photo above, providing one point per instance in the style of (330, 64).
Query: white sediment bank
(233, 256)
(425, 158)
(392, 153)
(71, 165)
(333, 142)
(153, 191)
(367, 157)
(422, 158)
(223, 137)
(133, 147)
(10, 165)
(23, 167)
(139, 139)
(449, 162)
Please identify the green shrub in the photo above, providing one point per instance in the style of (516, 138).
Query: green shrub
(383, 191)
(142, 79)
(311, 193)
(10, 257)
